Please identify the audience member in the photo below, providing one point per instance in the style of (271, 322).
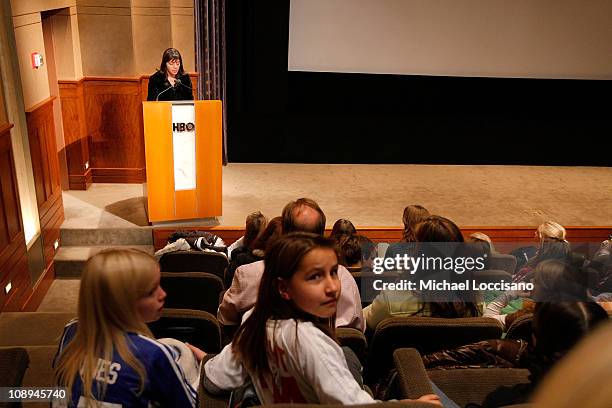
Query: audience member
(554, 281)
(301, 215)
(600, 268)
(286, 347)
(413, 214)
(557, 328)
(109, 355)
(254, 226)
(583, 378)
(341, 228)
(551, 245)
(482, 239)
(357, 252)
(256, 249)
(391, 303)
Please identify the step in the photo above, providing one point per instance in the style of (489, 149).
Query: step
(106, 236)
(70, 260)
(32, 328)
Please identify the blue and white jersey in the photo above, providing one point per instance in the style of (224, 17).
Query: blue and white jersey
(165, 384)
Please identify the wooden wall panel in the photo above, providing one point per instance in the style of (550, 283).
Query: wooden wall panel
(75, 134)
(43, 149)
(102, 119)
(113, 109)
(13, 261)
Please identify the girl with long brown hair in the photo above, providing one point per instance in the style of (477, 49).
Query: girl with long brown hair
(286, 346)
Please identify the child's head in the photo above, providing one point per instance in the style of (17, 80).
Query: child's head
(558, 326)
(271, 233)
(556, 280)
(482, 240)
(357, 251)
(300, 276)
(119, 293)
(300, 282)
(254, 226)
(437, 229)
(342, 227)
(413, 214)
(550, 230)
(120, 289)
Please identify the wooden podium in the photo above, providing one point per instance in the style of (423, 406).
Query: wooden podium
(183, 157)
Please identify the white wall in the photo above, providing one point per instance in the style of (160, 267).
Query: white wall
(493, 38)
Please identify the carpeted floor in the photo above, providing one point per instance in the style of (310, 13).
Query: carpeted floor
(375, 195)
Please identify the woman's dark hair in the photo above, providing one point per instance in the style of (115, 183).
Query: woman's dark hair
(254, 226)
(283, 259)
(440, 230)
(413, 214)
(558, 281)
(342, 227)
(170, 54)
(557, 327)
(437, 229)
(271, 233)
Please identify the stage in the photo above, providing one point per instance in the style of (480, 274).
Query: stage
(375, 195)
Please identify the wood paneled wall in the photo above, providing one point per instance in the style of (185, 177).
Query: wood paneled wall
(13, 261)
(505, 239)
(103, 126)
(45, 165)
(75, 134)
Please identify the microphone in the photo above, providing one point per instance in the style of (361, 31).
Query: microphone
(167, 89)
(178, 82)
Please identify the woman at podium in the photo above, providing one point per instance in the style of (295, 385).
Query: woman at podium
(170, 82)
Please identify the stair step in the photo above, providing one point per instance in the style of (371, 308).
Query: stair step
(70, 260)
(106, 236)
(32, 328)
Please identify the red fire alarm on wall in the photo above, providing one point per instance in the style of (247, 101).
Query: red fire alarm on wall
(37, 60)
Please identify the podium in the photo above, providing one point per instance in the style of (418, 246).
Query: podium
(183, 151)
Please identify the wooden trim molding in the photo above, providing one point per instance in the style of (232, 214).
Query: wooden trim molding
(118, 175)
(505, 239)
(80, 182)
(5, 129)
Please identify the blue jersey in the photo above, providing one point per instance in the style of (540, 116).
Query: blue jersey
(165, 384)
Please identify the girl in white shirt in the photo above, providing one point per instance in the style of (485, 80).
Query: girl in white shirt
(286, 347)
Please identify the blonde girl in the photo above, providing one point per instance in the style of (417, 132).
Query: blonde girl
(108, 355)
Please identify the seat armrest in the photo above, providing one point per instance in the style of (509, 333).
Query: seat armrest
(207, 399)
(413, 381)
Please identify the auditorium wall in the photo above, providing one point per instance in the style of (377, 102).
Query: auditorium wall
(97, 56)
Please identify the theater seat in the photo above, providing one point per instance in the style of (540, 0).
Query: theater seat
(353, 339)
(520, 329)
(463, 386)
(190, 326)
(426, 334)
(14, 362)
(192, 290)
(195, 261)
